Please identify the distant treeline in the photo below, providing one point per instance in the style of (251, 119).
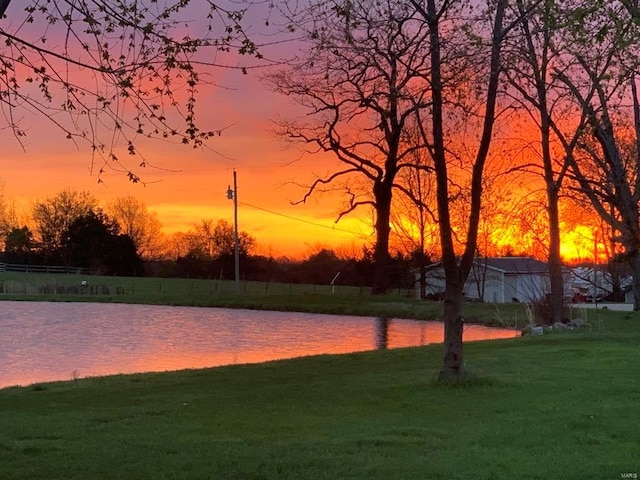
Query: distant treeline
(320, 268)
(72, 230)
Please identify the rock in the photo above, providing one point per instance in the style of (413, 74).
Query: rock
(579, 323)
(532, 330)
(559, 326)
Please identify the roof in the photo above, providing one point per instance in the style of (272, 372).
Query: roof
(507, 265)
(514, 265)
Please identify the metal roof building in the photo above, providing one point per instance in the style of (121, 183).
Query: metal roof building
(496, 280)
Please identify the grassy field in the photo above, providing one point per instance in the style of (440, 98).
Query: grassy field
(344, 300)
(561, 406)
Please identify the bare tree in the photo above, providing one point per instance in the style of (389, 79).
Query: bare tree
(214, 239)
(53, 216)
(497, 221)
(359, 78)
(111, 74)
(142, 226)
(413, 220)
(461, 45)
(531, 54)
(178, 244)
(8, 216)
(600, 73)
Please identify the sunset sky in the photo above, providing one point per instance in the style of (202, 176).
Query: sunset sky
(188, 185)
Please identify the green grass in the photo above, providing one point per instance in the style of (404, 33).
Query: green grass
(562, 405)
(559, 406)
(343, 300)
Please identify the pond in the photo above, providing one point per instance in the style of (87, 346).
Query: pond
(43, 341)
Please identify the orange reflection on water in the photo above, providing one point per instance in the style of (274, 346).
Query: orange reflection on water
(254, 346)
(58, 341)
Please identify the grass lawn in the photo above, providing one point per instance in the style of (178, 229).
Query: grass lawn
(558, 406)
(341, 300)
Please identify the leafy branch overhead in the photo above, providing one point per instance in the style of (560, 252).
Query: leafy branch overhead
(111, 74)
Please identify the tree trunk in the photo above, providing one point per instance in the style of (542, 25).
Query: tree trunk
(382, 194)
(3, 6)
(616, 287)
(423, 280)
(635, 266)
(537, 56)
(556, 296)
(554, 260)
(453, 367)
(456, 275)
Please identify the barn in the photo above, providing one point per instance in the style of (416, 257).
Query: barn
(495, 280)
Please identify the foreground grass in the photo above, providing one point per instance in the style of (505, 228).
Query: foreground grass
(559, 406)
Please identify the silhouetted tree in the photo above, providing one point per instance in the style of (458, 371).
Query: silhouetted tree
(93, 241)
(193, 265)
(600, 75)
(415, 229)
(533, 53)
(54, 215)
(360, 77)
(321, 267)
(19, 246)
(210, 250)
(138, 223)
(464, 54)
(122, 258)
(8, 216)
(215, 239)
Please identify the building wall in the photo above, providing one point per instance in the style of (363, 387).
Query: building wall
(496, 286)
(529, 287)
(434, 282)
(485, 284)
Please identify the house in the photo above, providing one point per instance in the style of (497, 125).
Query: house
(586, 283)
(495, 280)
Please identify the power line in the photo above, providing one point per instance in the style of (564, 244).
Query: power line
(305, 221)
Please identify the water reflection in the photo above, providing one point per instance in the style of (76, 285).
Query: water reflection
(382, 333)
(59, 341)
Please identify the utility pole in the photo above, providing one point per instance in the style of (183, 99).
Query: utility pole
(595, 267)
(233, 195)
